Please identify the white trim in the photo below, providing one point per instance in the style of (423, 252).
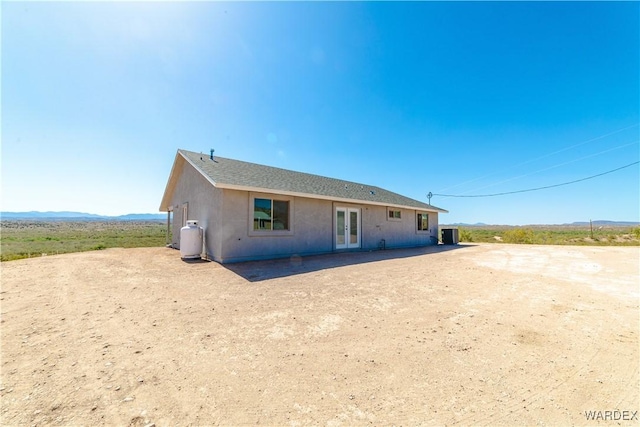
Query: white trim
(322, 197)
(347, 227)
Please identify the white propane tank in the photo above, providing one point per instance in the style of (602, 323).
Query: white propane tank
(191, 240)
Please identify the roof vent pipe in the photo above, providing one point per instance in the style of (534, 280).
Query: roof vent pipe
(211, 156)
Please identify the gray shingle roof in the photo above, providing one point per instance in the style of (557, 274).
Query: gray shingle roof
(235, 173)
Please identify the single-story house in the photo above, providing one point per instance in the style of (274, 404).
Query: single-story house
(251, 211)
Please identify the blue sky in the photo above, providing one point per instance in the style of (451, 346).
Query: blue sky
(449, 97)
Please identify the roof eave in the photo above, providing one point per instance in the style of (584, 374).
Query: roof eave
(181, 158)
(325, 197)
(203, 173)
(173, 177)
(168, 189)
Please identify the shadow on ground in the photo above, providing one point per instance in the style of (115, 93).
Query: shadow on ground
(256, 271)
(194, 260)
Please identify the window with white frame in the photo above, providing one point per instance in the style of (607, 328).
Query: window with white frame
(423, 222)
(394, 214)
(270, 215)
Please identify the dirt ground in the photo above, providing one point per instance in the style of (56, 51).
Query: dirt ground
(488, 334)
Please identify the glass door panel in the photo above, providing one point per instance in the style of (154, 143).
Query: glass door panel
(347, 228)
(341, 241)
(353, 227)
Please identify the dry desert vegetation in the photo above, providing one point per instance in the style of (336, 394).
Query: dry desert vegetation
(472, 334)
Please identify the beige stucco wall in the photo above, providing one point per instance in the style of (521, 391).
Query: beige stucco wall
(311, 222)
(227, 217)
(201, 199)
(396, 233)
(313, 229)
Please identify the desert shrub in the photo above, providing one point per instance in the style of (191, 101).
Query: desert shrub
(636, 232)
(518, 235)
(465, 235)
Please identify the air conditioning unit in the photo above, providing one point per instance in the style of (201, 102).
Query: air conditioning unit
(450, 236)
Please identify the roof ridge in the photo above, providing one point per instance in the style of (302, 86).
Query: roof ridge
(234, 173)
(291, 170)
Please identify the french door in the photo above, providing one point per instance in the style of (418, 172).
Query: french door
(347, 228)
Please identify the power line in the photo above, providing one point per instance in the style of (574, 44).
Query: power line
(555, 166)
(538, 188)
(545, 156)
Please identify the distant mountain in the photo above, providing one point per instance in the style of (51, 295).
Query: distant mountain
(35, 214)
(607, 223)
(599, 223)
(140, 217)
(464, 224)
(66, 215)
